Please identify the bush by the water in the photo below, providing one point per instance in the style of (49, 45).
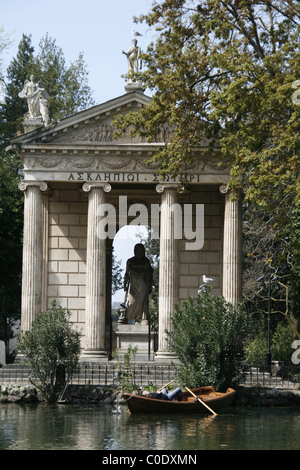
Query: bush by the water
(52, 348)
(207, 336)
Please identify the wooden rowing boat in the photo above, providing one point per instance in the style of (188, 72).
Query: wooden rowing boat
(189, 404)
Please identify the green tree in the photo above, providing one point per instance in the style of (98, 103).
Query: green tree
(281, 346)
(226, 69)
(207, 336)
(229, 70)
(70, 93)
(67, 86)
(52, 348)
(117, 281)
(12, 112)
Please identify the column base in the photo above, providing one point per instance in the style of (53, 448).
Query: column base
(165, 356)
(89, 355)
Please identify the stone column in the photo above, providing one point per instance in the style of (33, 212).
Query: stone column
(168, 267)
(232, 249)
(32, 252)
(95, 280)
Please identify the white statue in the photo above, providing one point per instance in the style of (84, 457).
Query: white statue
(134, 58)
(37, 97)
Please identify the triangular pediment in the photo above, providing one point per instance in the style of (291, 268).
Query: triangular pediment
(92, 126)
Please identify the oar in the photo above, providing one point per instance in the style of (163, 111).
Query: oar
(164, 386)
(201, 401)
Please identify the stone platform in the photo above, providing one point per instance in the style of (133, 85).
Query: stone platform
(136, 335)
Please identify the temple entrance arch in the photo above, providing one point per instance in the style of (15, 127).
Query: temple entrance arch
(123, 248)
(135, 324)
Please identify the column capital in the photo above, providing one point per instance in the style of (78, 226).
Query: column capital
(224, 188)
(88, 186)
(160, 188)
(23, 185)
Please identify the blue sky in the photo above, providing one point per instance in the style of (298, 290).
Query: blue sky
(100, 29)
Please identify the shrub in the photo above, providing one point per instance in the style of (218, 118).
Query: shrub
(281, 346)
(256, 351)
(207, 336)
(52, 348)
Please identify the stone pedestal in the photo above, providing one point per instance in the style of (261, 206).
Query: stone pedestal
(2, 353)
(134, 86)
(136, 335)
(32, 123)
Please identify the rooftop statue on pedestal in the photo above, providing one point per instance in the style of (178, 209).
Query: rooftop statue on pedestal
(37, 100)
(134, 65)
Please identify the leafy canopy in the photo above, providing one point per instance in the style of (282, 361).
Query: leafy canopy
(69, 92)
(226, 69)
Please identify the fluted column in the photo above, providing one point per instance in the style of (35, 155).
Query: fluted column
(32, 252)
(168, 267)
(232, 249)
(96, 273)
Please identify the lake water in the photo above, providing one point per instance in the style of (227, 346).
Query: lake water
(96, 427)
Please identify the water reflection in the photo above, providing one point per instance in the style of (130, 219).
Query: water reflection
(32, 427)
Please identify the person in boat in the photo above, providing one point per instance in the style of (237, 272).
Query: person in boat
(163, 394)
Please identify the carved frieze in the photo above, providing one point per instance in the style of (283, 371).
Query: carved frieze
(132, 163)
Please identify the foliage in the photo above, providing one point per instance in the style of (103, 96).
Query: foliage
(227, 69)
(117, 281)
(256, 351)
(51, 346)
(281, 346)
(292, 234)
(125, 373)
(207, 336)
(11, 225)
(67, 86)
(230, 71)
(69, 92)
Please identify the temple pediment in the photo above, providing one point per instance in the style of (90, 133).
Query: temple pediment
(84, 147)
(92, 126)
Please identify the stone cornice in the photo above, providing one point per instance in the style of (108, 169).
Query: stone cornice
(41, 149)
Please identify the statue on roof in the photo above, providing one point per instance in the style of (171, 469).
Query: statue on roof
(134, 58)
(37, 99)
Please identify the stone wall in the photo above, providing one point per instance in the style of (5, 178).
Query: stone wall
(208, 260)
(67, 253)
(65, 242)
(246, 396)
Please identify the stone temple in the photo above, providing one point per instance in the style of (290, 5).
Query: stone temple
(77, 178)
